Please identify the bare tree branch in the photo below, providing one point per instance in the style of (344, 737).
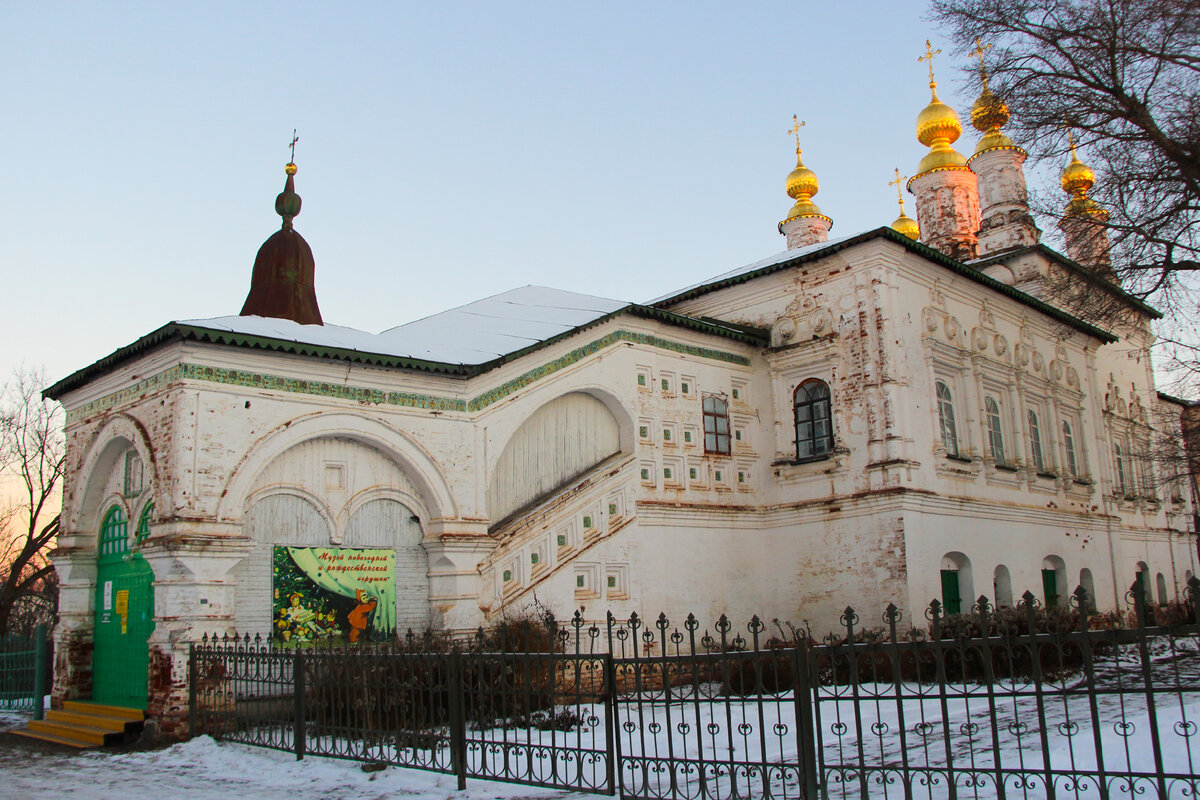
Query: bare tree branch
(31, 459)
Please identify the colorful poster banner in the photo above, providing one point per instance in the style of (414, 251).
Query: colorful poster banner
(333, 595)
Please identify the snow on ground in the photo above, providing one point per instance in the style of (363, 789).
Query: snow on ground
(203, 769)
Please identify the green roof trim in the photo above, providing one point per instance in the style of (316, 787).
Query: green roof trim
(927, 252)
(362, 394)
(176, 332)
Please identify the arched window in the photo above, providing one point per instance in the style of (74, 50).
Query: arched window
(1161, 583)
(814, 423)
(945, 403)
(1069, 445)
(1035, 443)
(143, 528)
(994, 430)
(114, 533)
(716, 425)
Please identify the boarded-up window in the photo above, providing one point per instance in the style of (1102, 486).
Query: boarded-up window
(560, 441)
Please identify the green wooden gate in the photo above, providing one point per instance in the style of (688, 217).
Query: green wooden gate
(951, 599)
(124, 614)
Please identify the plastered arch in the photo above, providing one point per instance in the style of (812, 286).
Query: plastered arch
(412, 503)
(606, 397)
(421, 468)
(113, 438)
(317, 503)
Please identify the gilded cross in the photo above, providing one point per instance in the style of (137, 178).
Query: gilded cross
(980, 49)
(795, 129)
(897, 183)
(295, 139)
(929, 54)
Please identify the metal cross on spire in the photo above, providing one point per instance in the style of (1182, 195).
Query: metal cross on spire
(980, 49)
(898, 183)
(295, 139)
(795, 129)
(929, 54)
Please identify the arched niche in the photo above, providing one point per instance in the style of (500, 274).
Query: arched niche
(1002, 585)
(958, 586)
(1054, 581)
(557, 444)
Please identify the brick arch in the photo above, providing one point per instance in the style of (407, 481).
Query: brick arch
(114, 437)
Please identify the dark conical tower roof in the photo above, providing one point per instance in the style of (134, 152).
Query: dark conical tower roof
(282, 285)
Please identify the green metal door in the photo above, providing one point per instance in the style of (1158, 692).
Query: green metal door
(124, 615)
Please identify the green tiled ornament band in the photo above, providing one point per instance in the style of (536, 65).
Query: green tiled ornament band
(258, 380)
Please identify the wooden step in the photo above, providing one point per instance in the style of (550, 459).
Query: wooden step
(99, 709)
(90, 720)
(68, 730)
(50, 737)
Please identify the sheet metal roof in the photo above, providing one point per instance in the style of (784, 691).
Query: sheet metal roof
(473, 334)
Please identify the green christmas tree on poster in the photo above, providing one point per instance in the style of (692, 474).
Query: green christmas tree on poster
(302, 612)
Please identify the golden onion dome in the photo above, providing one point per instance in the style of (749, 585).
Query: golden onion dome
(904, 223)
(938, 127)
(987, 115)
(937, 122)
(989, 112)
(907, 225)
(1077, 177)
(802, 184)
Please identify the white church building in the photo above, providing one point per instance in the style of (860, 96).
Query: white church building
(898, 415)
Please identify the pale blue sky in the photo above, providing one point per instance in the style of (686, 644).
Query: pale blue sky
(447, 150)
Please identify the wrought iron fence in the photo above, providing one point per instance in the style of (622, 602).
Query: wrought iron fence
(1025, 702)
(24, 666)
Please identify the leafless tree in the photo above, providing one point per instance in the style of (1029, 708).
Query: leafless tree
(31, 471)
(1124, 75)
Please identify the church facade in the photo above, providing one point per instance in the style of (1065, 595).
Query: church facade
(909, 413)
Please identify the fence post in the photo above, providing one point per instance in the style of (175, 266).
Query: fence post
(192, 673)
(298, 709)
(39, 673)
(806, 750)
(610, 720)
(455, 689)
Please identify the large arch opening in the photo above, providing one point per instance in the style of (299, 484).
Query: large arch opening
(337, 547)
(557, 444)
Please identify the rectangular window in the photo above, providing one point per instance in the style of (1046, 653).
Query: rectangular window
(716, 425)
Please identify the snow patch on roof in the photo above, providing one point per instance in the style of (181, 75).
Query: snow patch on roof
(475, 333)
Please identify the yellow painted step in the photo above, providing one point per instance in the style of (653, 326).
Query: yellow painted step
(50, 737)
(88, 707)
(84, 733)
(90, 720)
